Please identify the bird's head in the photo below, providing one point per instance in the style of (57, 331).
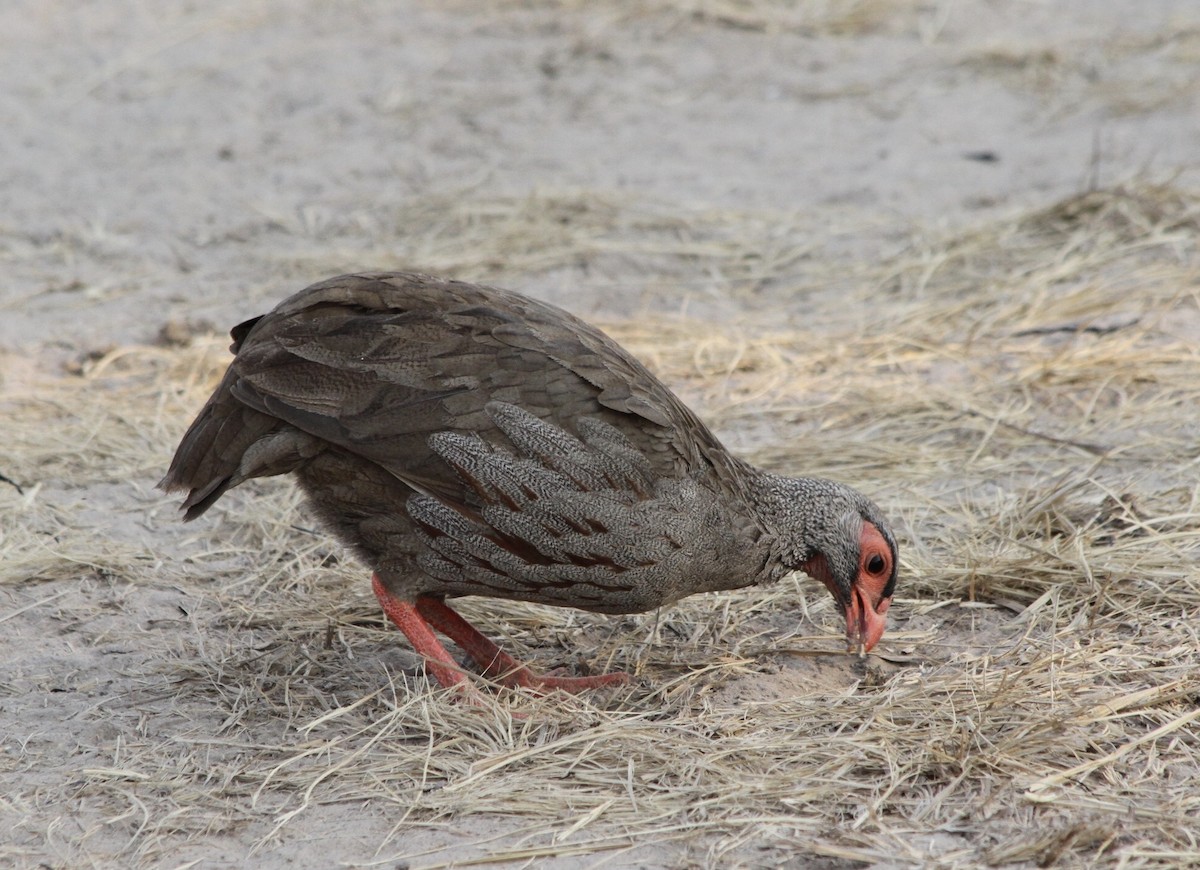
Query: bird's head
(836, 535)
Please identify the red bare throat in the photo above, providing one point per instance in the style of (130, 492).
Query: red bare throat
(866, 612)
(866, 609)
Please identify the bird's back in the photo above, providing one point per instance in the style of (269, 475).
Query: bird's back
(364, 385)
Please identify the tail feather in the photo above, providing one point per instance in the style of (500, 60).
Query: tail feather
(229, 443)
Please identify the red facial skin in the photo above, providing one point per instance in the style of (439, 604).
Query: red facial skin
(866, 610)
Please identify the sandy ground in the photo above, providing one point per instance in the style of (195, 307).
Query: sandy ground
(198, 163)
(171, 169)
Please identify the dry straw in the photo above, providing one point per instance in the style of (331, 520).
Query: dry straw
(1022, 399)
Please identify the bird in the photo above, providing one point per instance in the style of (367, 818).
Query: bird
(466, 440)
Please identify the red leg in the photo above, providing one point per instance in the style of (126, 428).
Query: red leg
(495, 661)
(440, 663)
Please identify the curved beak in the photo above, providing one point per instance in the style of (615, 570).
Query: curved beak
(864, 624)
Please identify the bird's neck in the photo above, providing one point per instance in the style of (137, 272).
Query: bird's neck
(793, 512)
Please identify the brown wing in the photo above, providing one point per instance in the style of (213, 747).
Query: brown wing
(376, 364)
(576, 521)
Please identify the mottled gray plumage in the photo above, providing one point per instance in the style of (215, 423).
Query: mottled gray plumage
(465, 440)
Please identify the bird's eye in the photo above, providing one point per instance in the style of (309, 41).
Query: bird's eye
(875, 564)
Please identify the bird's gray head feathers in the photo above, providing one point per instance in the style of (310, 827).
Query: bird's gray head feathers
(813, 518)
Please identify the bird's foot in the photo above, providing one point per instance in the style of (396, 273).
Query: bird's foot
(498, 664)
(418, 619)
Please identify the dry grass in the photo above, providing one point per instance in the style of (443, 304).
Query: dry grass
(1126, 73)
(1022, 399)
